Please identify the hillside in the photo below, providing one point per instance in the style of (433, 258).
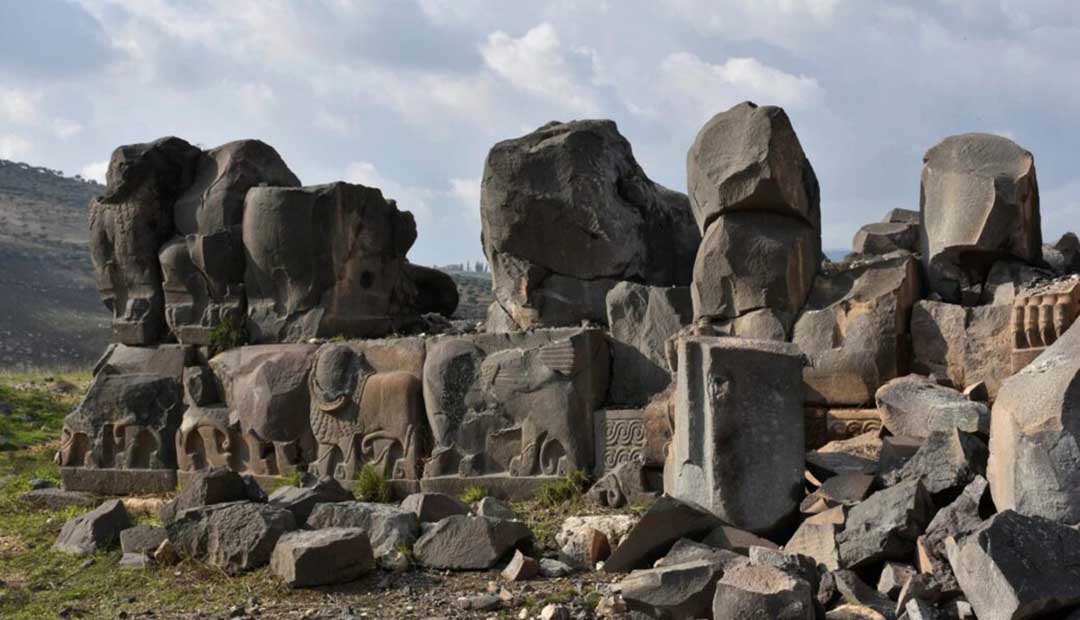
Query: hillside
(50, 313)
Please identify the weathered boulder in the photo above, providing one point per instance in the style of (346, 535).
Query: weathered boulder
(682, 591)
(128, 224)
(946, 463)
(1015, 567)
(913, 406)
(576, 535)
(1064, 256)
(754, 263)
(322, 557)
(738, 429)
(845, 489)
(979, 202)
(236, 537)
(301, 501)
(961, 517)
(203, 267)
(748, 158)
(886, 525)
(567, 212)
(641, 319)
(962, 346)
(666, 521)
(95, 530)
(326, 260)
(205, 488)
(144, 539)
(388, 527)
(433, 507)
(436, 291)
(466, 542)
(1034, 436)
(755, 591)
(884, 237)
(854, 328)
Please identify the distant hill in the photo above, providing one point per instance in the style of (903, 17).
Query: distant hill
(474, 291)
(50, 312)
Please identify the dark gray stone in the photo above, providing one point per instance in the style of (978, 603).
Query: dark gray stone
(322, 557)
(214, 486)
(57, 499)
(494, 508)
(236, 537)
(302, 500)
(666, 521)
(913, 406)
(95, 530)
(387, 527)
(466, 542)
(855, 591)
(885, 525)
(961, 517)
(433, 507)
(115, 482)
(756, 591)
(680, 591)
(945, 464)
(143, 539)
(884, 237)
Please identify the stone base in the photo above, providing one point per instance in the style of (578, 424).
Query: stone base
(504, 487)
(399, 489)
(118, 481)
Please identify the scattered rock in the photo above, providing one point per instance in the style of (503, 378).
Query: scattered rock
(144, 539)
(322, 557)
(494, 508)
(945, 464)
(886, 525)
(554, 612)
(553, 569)
(57, 499)
(301, 501)
(753, 591)
(961, 517)
(855, 591)
(236, 537)
(911, 406)
(205, 488)
(95, 530)
(666, 521)
(680, 590)
(466, 542)
(433, 507)
(893, 577)
(388, 527)
(135, 561)
(577, 535)
(520, 568)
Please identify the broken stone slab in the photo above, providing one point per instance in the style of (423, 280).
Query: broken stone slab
(236, 537)
(884, 237)
(801, 566)
(388, 527)
(683, 590)
(641, 319)
(520, 568)
(1034, 444)
(93, 531)
(917, 609)
(755, 591)
(885, 525)
(494, 508)
(665, 522)
(956, 520)
(751, 261)
(467, 542)
(214, 486)
(144, 539)
(945, 464)
(57, 499)
(567, 213)
(964, 346)
(135, 561)
(909, 407)
(919, 587)
(748, 158)
(306, 559)
(1016, 566)
(433, 507)
(302, 500)
(893, 577)
(857, 455)
(853, 590)
(979, 202)
(853, 328)
(576, 535)
(896, 450)
(737, 540)
(845, 489)
(739, 429)
(686, 550)
(817, 541)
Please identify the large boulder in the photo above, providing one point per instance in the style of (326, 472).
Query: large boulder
(326, 260)
(749, 159)
(754, 261)
(95, 530)
(322, 557)
(739, 442)
(755, 591)
(946, 463)
(128, 224)
(203, 267)
(466, 542)
(236, 537)
(388, 527)
(854, 328)
(962, 346)
(681, 590)
(979, 202)
(1015, 567)
(914, 406)
(641, 320)
(1035, 436)
(886, 525)
(567, 212)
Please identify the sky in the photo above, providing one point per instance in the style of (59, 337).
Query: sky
(409, 95)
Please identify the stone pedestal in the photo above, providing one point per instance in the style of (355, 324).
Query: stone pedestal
(739, 439)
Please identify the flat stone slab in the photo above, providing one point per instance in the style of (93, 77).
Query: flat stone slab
(118, 481)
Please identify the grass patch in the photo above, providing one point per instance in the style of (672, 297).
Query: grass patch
(227, 335)
(567, 489)
(473, 494)
(371, 486)
(33, 406)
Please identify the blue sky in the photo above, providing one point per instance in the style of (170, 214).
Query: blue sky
(409, 95)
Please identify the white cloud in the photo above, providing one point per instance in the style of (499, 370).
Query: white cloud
(14, 147)
(706, 88)
(537, 63)
(64, 128)
(19, 107)
(415, 199)
(95, 171)
(467, 194)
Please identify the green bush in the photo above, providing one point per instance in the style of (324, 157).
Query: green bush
(567, 489)
(227, 335)
(473, 494)
(371, 486)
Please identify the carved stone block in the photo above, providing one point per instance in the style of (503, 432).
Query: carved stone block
(1040, 316)
(620, 437)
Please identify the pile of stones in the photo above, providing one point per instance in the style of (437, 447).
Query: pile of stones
(893, 435)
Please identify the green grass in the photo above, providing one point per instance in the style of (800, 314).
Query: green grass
(371, 486)
(567, 489)
(227, 335)
(37, 406)
(473, 494)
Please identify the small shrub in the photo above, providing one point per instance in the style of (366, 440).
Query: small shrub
(371, 486)
(473, 494)
(227, 335)
(569, 488)
(291, 479)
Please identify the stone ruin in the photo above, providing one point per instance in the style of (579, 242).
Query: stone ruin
(697, 348)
